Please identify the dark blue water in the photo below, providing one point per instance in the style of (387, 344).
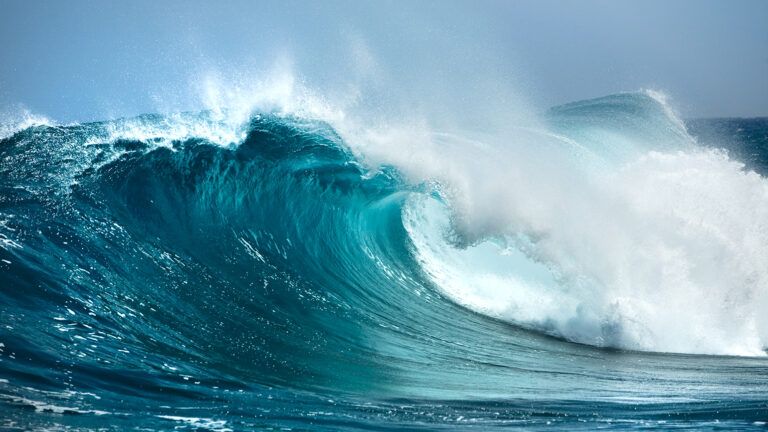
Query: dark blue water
(745, 138)
(169, 282)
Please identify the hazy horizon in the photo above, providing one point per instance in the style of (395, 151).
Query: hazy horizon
(88, 60)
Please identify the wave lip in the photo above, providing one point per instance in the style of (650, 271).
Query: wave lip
(19, 121)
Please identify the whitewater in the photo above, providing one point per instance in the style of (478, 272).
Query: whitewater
(280, 261)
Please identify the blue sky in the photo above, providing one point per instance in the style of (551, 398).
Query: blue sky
(81, 60)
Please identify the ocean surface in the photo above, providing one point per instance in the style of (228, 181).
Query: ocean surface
(607, 269)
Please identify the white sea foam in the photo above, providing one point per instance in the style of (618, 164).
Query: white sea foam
(163, 131)
(230, 103)
(20, 119)
(666, 251)
(199, 422)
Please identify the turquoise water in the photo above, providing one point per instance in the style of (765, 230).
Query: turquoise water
(157, 274)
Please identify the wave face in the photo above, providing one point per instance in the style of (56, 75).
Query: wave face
(187, 272)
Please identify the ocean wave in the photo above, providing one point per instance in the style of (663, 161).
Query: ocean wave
(202, 252)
